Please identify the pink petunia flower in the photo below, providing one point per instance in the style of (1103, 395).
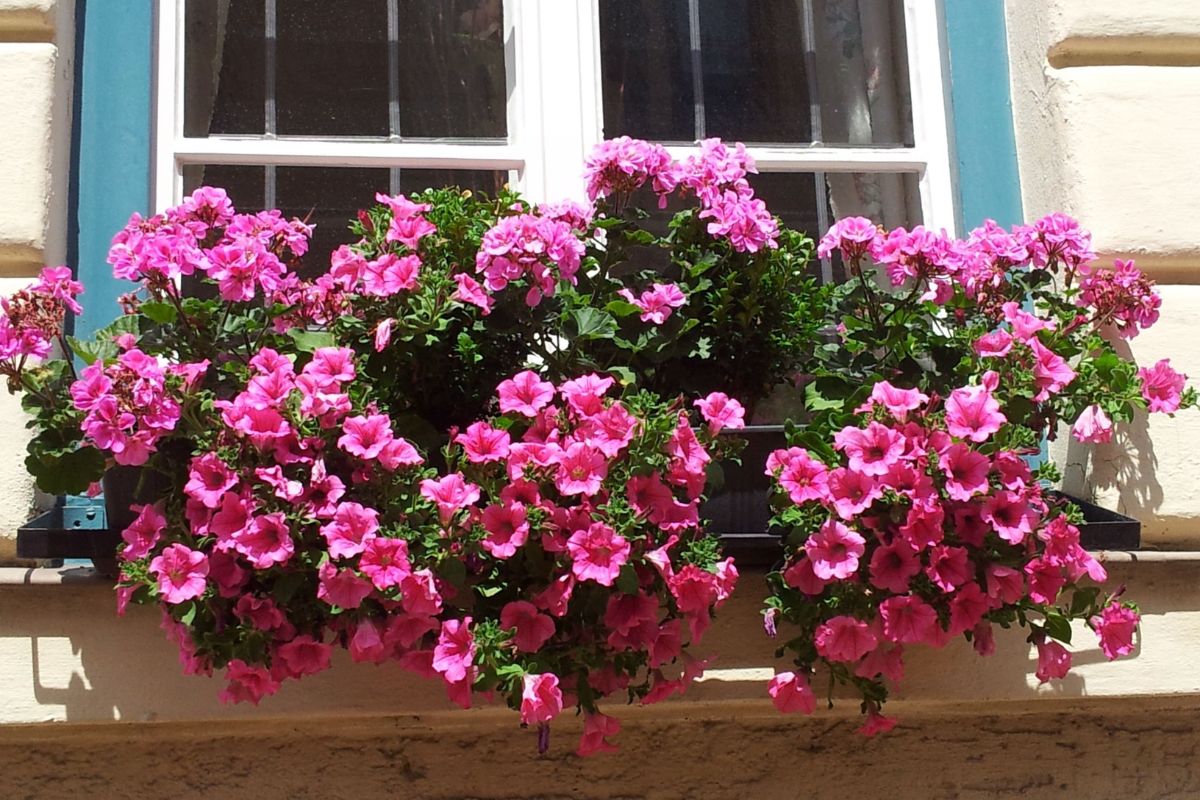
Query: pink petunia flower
(721, 411)
(909, 619)
(484, 444)
(597, 553)
(966, 471)
(1054, 660)
(1115, 626)
(450, 493)
(585, 395)
(871, 451)
(525, 393)
(834, 551)
(144, 532)
(455, 650)
(790, 692)
(265, 541)
(181, 573)
(385, 561)
(972, 413)
(851, 492)
(541, 698)
(581, 469)
(597, 728)
(532, 628)
(507, 529)
(208, 480)
(247, 684)
(1093, 426)
(898, 402)
(844, 638)
(341, 587)
(893, 566)
(352, 527)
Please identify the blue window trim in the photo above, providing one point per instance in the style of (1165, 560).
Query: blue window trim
(987, 181)
(111, 147)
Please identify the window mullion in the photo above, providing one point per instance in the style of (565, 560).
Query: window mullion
(926, 43)
(167, 179)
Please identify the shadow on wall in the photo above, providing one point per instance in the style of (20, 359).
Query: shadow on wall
(1126, 465)
(66, 656)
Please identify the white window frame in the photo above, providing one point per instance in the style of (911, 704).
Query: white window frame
(555, 116)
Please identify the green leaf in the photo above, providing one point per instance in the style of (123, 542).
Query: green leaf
(1058, 627)
(188, 616)
(311, 341)
(287, 585)
(627, 580)
(162, 313)
(593, 323)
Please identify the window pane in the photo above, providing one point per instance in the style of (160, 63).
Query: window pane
(451, 69)
(328, 197)
(680, 70)
(370, 68)
(224, 67)
(331, 68)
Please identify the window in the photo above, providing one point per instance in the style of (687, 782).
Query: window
(312, 106)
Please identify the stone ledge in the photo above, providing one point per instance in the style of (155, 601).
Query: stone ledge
(1116, 51)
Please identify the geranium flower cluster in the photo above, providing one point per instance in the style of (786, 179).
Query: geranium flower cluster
(717, 176)
(130, 404)
(32, 319)
(557, 558)
(541, 248)
(916, 528)
(245, 255)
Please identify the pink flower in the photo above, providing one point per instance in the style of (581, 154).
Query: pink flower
(541, 699)
(366, 437)
(247, 684)
(872, 451)
(385, 561)
(450, 493)
(181, 573)
(1050, 371)
(657, 302)
(302, 656)
(949, 567)
(341, 587)
(144, 532)
(507, 529)
(265, 541)
(852, 492)
(208, 480)
(419, 594)
(383, 334)
(471, 291)
(1025, 325)
(581, 469)
(994, 345)
(389, 274)
(854, 236)
(876, 723)
(721, 411)
(1054, 660)
(399, 453)
(802, 477)
(966, 471)
(1093, 426)
(908, 619)
(353, 525)
(844, 638)
(532, 628)
(585, 395)
(525, 393)
(1005, 583)
(898, 402)
(834, 551)
(597, 728)
(893, 566)
(972, 413)
(455, 650)
(790, 692)
(609, 431)
(1162, 386)
(598, 553)
(1115, 626)
(1011, 516)
(483, 443)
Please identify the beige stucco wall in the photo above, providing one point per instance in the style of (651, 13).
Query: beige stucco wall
(1106, 104)
(36, 70)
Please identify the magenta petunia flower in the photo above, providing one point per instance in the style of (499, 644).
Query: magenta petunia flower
(532, 629)
(455, 650)
(1093, 426)
(721, 411)
(844, 638)
(507, 529)
(834, 551)
(790, 692)
(871, 451)
(597, 553)
(525, 393)
(541, 699)
(181, 573)
(972, 413)
(1115, 626)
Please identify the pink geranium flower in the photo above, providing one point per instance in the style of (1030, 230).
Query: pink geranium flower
(844, 638)
(657, 302)
(525, 393)
(790, 692)
(532, 628)
(834, 551)
(181, 573)
(455, 650)
(1162, 386)
(721, 411)
(1115, 626)
(597, 553)
(1050, 371)
(541, 699)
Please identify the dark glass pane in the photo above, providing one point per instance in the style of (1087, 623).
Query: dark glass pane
(224, 67)
(755, 82)
(451, 69)
(646, 70)
(331, 74)
(415, 180)
(245, 185)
